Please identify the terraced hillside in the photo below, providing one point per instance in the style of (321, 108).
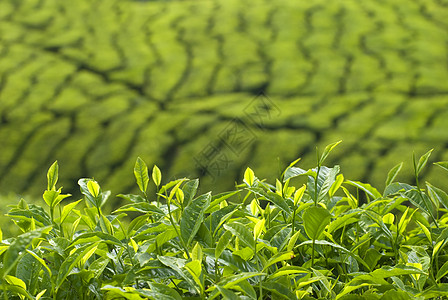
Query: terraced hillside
(96, 83)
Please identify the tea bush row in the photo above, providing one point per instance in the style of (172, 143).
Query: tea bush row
(308, 235)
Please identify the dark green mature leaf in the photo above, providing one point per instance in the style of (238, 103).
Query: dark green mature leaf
(33, 211)
(437, 195)
(279, 201)
(242, 233)
(393, 173)
(96, 236)
(224, 240)
(141, 174)
(143, 207)
(162, 292)
(52, 176)
(190, 188)
(18, 246)
(315, 219)
(397, 187)
(421, 201)
(367, 188)
(227, 294)
(294, 172)
(193, 216)
(177, 265)
(279, 289)
(217, 199)
(71, 261)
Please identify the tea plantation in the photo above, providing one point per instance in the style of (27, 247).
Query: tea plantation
(209, 87)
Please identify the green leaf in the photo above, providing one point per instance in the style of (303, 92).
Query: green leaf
(442, 271)
(279, 201)
(232, 280)
(141, 175)
(279, 289)
(52, 176)
(98, 266)
(249, 177)
(442, 164)
(393, 173)
(242, 233)
(193, 216)
(176, 264)
(20, 244)
(143, 207)
(327, 151)
(350, 288)
(281, 256)
(163, 292)
(437, 195)
(294, 172)
(223, 242)
(53, 198)
(156, 175)
(227, 294)
(367, 188)
(315, 219)
(190, 188)
(67, 209)
(72, 260)
(421, 201)
(422, 162)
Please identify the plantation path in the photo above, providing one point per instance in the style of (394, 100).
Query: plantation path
(95, 84)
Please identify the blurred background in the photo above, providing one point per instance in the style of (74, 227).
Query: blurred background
(205, 88)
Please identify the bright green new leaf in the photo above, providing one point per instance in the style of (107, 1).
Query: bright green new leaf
(327, 151)
(259, 227)
(315, 219)
(94, 188)
(422, 162)
(336, 185)
(224, 240)
(196, 253)
(141, 174)
(193, 216)
(52, 176)
(281, 256)
(241, 231)
(67, 209)
(249, 177)
(299, 194)
(389, 219)
(156, 175)
(393, 173)
(292, 241)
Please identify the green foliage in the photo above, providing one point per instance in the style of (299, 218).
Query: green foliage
(318, 241)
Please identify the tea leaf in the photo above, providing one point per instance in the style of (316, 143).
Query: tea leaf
(442, 271)
(281, 256)
(437, 195)
(52, 176)
(393, 173)
(367, 188)
(249, 177)
(161, 291)
(327, 151)
(227, 294)
(193, 216)
(156, 175)
(314, 220)
(190, 188)
(73, 259)
(242, 233)
(141, 175)
(224, 240)
(422, 162)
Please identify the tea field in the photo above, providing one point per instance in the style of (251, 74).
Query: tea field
(214, 86)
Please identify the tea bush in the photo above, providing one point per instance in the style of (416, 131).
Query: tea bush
(307, 236)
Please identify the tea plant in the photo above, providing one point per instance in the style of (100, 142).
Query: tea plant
(260, 241)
